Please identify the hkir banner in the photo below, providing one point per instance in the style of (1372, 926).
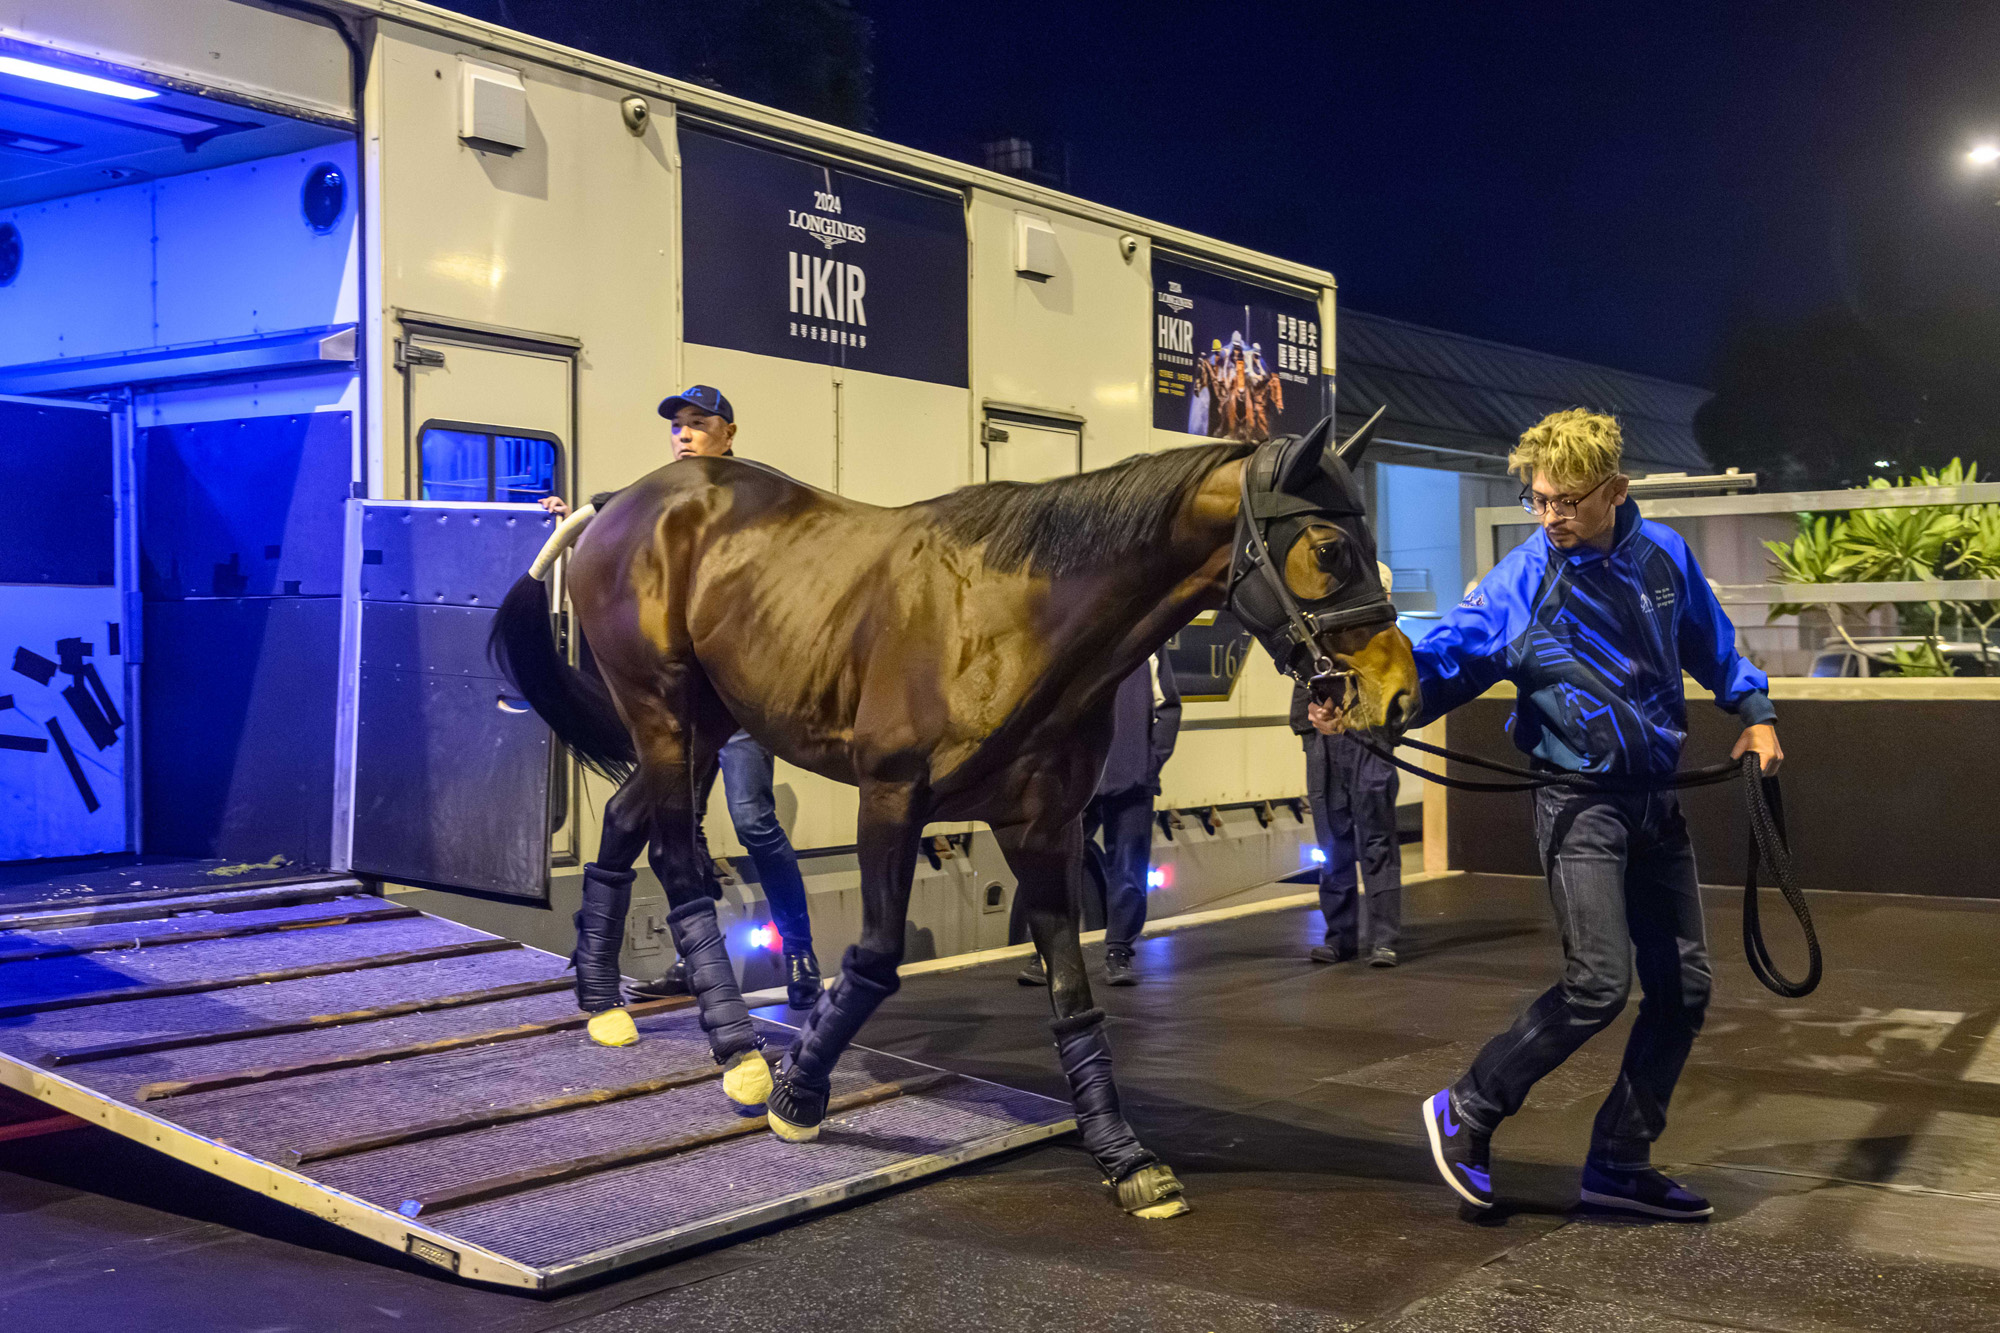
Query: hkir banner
(787, 257)
(1232, 359)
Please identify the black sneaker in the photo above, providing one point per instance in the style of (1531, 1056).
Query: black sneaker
(1382, 957)
(1033, 974)
(675, 982)
(802, 982)
(1646, 1192)
(1326, 953)
(1461, 1156)
(1118, 968)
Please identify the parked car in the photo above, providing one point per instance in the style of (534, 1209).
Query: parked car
(1876, 657)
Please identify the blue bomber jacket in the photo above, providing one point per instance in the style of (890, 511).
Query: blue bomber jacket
(1595, 644)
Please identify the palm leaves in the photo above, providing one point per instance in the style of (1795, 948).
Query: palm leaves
(1898, 545)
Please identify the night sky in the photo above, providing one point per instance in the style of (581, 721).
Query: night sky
(1615, 182)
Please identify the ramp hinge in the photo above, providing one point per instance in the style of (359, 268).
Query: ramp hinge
(409, 354)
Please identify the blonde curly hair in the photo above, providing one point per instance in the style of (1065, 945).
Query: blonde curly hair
(1577, 448)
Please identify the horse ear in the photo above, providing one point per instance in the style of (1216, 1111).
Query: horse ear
(1355, 445)
(1305, 459)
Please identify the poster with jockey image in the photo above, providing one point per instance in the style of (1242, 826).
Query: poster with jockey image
(1233, 360)
(787, 256)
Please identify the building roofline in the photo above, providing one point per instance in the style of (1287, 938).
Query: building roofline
(1515, 349)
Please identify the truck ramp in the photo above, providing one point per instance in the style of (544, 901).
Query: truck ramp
(429, 1086)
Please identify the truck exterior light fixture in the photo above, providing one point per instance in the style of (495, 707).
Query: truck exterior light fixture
(70, 78)
(1984, 155)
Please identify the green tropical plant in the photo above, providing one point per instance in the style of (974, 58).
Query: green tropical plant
(1899, 544)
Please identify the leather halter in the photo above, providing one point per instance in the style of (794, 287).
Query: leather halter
(1261, 503)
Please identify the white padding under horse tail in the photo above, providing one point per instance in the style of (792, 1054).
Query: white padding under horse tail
(561, 540)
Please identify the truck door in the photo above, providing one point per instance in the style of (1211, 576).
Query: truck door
(64, 698)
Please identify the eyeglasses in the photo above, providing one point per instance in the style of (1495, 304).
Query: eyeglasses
(1560, 507)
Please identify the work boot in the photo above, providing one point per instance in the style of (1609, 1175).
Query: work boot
(675, 982)
(1118, 968)
(1034, 974)
(1461, 1154)
(1382, 957)
(802, 982)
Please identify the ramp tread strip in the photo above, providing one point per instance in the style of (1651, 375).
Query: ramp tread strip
(84, 998)
(388, 1176)
(506, 1115)
(316, 1022)
(87, 901)
(55, 978)
(352, 918)
(269, 1119)
(89, 912)
(385, 1054)
(750, 1180)
(485, 1191)
(280, 1002)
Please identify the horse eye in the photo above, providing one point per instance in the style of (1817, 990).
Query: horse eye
(1334, 557)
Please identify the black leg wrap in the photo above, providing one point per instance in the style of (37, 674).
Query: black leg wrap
(1086, 1063)
(866, 979)
(600, 933)
(712, 982)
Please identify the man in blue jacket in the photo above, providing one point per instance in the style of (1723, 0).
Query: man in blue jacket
(1594, 618)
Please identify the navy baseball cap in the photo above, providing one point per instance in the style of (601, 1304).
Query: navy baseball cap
(702, 396)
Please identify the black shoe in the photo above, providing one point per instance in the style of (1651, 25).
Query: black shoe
(802, 984)
(1382, 957)
(1646, 1192)
(1326, 953)
(675, 982)
(1118, 968)
(1461, 1155)
(1033, 974)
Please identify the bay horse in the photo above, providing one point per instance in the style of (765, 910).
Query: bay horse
(955, 659)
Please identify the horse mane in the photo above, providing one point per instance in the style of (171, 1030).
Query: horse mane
(1074, 524)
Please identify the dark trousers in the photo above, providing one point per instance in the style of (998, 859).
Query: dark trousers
(748, 772)
(1621, 875)
(1353, 798)
(1119, 867)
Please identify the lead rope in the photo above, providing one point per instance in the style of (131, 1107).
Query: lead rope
(1768, 844)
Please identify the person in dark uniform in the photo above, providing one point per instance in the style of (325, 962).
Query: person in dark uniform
(1146, 721)
(704, 425)
(1353, 797)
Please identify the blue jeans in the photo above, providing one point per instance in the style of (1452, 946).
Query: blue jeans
(1126, 821)
(1353, 799)
(747, 768)
(1622, 879)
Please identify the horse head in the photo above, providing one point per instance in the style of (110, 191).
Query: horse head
(1304, 579)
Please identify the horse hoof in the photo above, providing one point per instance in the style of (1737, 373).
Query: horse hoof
(613, 1027)
(1152, 1192)
(790, 1132)
(746, 1079)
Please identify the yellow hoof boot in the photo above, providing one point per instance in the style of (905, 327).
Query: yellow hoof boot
(746, 1079)
(790, 1132)
(1152, 1192)
(613, 1027)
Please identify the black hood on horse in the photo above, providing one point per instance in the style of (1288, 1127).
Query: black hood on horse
(1292, 485)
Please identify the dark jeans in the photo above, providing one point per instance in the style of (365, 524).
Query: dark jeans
(747, 768)
(1353, 797)
(1622, 878)
(1126, 821)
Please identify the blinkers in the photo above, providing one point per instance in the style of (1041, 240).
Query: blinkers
(1290, 484)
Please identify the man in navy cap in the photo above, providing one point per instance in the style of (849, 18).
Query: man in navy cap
(704, 426)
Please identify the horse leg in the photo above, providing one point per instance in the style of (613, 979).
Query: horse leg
(891, 819)
(1049, 871)
(600, 920)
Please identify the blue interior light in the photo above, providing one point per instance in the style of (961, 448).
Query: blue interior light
(71, 78)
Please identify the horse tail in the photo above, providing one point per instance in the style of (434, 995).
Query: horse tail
(576, 706)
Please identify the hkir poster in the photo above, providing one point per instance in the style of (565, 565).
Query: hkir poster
(1233, 360)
